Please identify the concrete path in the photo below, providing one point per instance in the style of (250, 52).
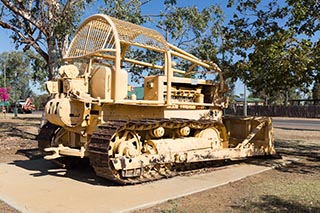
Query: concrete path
(38, 186)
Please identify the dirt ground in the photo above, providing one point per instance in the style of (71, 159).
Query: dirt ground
(290, 187)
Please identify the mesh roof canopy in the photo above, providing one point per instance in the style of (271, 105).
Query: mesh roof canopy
(135, 34)
(100, 33)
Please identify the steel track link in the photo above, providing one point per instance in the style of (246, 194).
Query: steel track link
(45, 135)
(101, 139)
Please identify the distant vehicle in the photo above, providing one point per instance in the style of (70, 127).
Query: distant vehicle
(23, 106)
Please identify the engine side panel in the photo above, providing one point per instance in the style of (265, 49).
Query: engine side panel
(120, 112)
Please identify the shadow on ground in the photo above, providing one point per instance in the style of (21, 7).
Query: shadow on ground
(296, 148)
(272, 203)
(21, 129)
(20, 132)
(292, 156)
(81, 171)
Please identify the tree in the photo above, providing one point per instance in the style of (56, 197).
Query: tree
(18, 74)
(306, 20)
(274, 53)
(45, 26)
(40, 101)
(316, 92)
(186, 27)
(42, 25)
(183, 26)
(304, 16)
(126, 10)
(196, 31)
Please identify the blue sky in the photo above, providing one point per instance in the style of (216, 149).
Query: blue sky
(154, 7)
(5, 43)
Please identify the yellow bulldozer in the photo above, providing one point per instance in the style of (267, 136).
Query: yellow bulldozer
(178, 124)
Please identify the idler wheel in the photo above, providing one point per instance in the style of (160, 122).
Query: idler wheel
(158, 132)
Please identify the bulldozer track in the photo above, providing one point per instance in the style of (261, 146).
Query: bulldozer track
(45, 135)
(101, 140)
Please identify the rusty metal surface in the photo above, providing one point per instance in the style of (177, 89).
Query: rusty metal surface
(117, 169)
(100, 142)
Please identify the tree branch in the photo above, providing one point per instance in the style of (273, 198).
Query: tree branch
(23, 14)
(28, 41)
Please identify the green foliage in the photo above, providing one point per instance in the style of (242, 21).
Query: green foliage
(18, 74)
(305, 16)
(39, 69)
(125, 10)
(43, 26)
(40, 101)
(316, 91)
(185, 25)
(273, 45)
(131, 11)
(136, 71)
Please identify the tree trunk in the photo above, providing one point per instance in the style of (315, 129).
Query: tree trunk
(52, 59)
(286, 97)
(316, 92)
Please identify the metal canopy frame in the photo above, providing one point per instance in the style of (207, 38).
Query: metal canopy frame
(109, 38)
